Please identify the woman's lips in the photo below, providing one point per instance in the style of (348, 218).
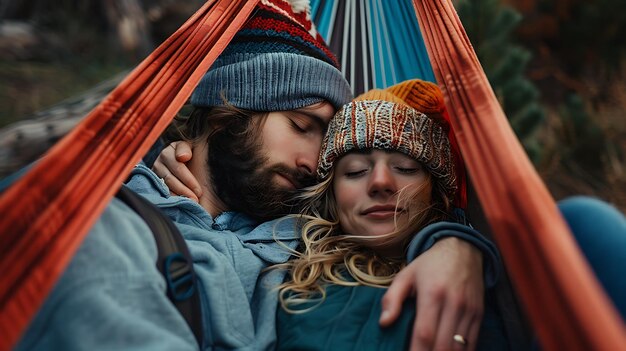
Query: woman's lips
(381, 212)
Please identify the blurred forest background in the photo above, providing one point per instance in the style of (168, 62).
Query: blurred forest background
(557, 67)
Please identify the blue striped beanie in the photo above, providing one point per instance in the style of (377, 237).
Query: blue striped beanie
(276, 62)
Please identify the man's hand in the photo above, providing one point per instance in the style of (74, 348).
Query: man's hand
(171, 166)
(447, 283)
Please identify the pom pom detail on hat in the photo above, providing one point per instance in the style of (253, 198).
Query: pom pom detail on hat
(300, 5)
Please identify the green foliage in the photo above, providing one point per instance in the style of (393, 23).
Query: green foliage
(526, 119)
(510, 63)
(489, 25)
(584, 141)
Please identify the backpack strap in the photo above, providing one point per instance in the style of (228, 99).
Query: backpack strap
(174, 260)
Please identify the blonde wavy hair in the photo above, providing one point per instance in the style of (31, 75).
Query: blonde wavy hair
(329, 256)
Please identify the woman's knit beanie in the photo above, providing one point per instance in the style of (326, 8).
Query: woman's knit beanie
(408, 117)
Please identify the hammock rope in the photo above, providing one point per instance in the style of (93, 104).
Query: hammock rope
(70, 186)
(565, 303)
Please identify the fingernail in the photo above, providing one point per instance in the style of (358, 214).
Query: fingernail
(384, 315)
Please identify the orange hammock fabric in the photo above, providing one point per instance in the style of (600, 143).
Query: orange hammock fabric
(567, 307)
(47, 213)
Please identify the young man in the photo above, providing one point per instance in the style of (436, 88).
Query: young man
(112, 296)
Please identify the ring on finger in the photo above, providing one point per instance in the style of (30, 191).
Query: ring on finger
(458, 338)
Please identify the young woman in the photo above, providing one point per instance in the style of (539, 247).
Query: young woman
(387, 172)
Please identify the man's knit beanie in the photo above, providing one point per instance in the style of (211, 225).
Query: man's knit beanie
(407, 117)
(276, 62)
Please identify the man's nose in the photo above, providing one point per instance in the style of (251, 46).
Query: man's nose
(306, 160)
(381, 182)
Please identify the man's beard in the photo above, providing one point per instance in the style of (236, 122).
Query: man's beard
(245, 183)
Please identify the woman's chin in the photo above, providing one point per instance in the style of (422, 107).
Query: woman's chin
(378, 229)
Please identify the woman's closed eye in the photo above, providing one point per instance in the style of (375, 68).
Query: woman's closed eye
(355, 173)
(407, 166)
(408, 170)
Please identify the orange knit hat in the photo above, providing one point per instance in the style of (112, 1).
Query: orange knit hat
(409, 117)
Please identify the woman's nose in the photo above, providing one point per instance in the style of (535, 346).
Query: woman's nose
(381, 181)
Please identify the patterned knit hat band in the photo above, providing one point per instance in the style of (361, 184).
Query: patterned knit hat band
(391, 125)
(277, 61)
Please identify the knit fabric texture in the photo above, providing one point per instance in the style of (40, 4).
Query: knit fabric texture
(406, 117)
(276, 62)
